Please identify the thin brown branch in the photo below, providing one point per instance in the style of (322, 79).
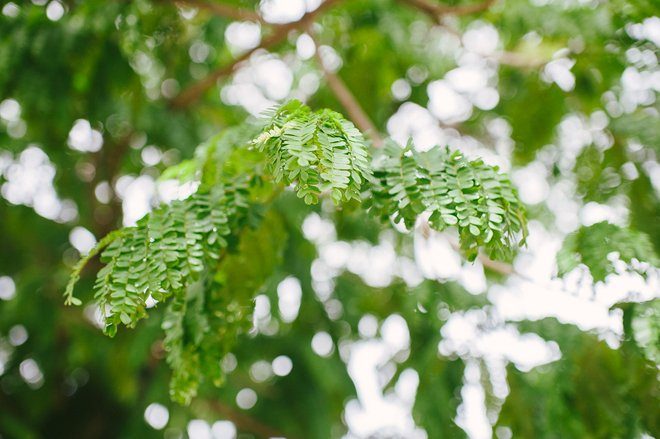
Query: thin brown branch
(243, 421)
(343, 94)
(520, 60)
(498, 266)
(222, 10)
(191, 94)
(438, 10)
(107, 164)
(495, 266)
(513, 59)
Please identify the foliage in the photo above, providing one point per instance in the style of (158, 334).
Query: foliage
(642, 324)
(202, 325)
(103, 104)
(317, 152)
(592, 245)
(470, 195)
(171, 250)
(621, 387)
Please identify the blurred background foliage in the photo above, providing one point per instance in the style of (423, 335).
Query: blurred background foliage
(97, 98)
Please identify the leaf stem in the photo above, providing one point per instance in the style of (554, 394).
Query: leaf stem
(69, 298)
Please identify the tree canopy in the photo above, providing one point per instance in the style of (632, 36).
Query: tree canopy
(327, 218)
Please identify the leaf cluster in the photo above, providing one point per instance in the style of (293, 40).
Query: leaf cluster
(467, 194)
(592, 245)
(316, 151)
(210, 254)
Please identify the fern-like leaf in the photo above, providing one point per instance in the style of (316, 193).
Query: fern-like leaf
(467, 194)
(162, 254)
(591, 246)
(316, 151)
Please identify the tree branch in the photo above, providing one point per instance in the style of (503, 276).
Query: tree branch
(495, 266)
(343, 94)
(520, 60)
(191, 94)
(244, 421)
(222, 10)
(437, 10)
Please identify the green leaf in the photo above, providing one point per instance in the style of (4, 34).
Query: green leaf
(591, 246)
(315, 152)
(468, 194)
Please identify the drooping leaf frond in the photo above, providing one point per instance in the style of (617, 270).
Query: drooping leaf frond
(202, 325)
(163, 253)
(467, 194)
(317, 151)
(591, 246)
(206, 257)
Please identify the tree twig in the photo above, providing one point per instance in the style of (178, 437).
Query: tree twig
(191, 94)
(513, 59)
(520, 60)
(244, 421)
(438, 10)
(343, 94)
(222, 10)
(496, 266)
(355, 111)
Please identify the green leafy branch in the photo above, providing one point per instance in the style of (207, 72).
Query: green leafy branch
(208, 256)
